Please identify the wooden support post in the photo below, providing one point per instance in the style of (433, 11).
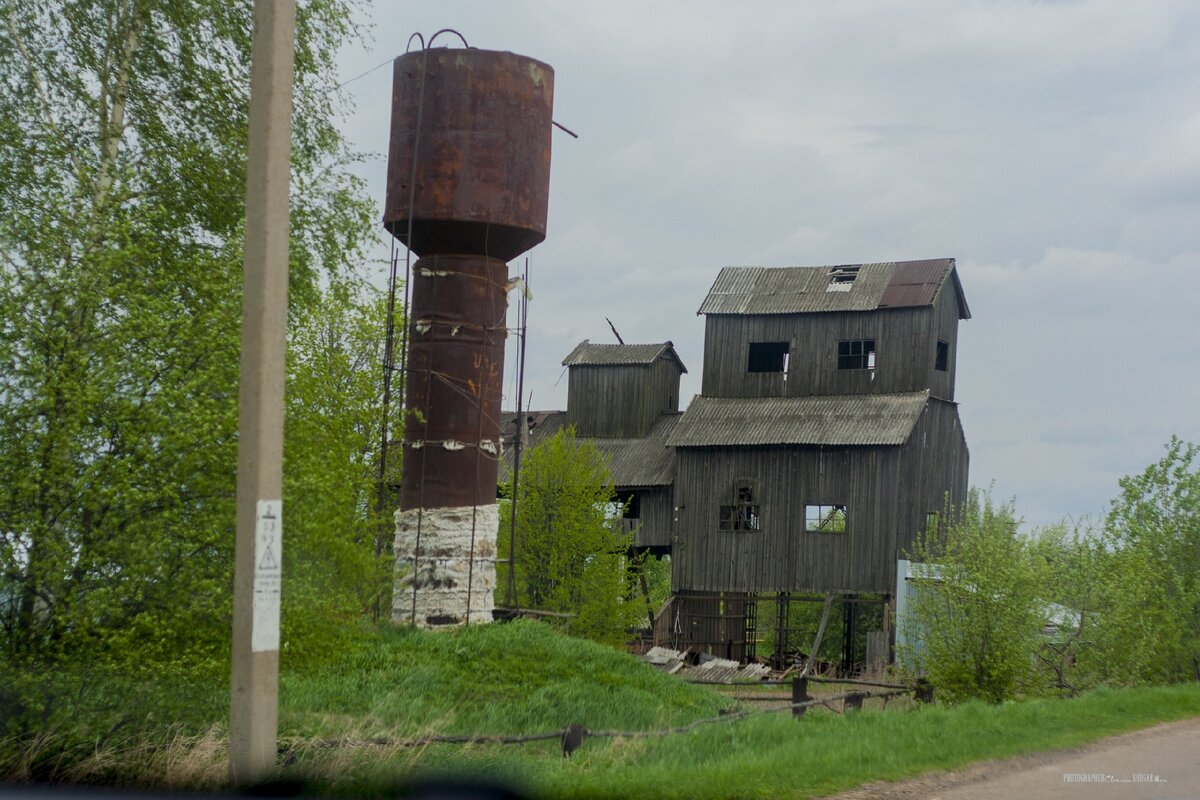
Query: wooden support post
(646, 595)
(572, 739)
(799, 695)
(820, 635)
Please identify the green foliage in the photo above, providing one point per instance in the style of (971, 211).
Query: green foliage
(122, 171)
(1149, 621)
(657, 572)
(979, 623)
(337, 560)
(571, 553)
(1071, 564)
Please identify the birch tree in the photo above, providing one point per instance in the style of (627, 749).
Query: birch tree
(122, 172)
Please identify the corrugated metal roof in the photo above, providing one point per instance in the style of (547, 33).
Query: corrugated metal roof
(642, 462)
(633, 462)
(866, 419)
(801, 290)
(586, 353)
(915, 283)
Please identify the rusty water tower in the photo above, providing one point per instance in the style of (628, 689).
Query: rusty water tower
(468, 180)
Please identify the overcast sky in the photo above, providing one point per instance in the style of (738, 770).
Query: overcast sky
(1053, 149)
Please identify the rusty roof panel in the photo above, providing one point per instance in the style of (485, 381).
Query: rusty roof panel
(586, 353)
(800, 290)
(929, 271)
(915, 283)
(908, 295)
(836, 420)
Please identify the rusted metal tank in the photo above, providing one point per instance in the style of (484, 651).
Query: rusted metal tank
(455, 376)
(469, 157)
(467, 190)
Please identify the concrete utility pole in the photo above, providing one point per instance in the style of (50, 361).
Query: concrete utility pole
(258, 560)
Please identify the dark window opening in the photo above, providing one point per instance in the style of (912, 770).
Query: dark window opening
(825, 518)
(743, 514)
(633, 506)
(856, 354)
(942, 361)
(768, 357)
(841, 279)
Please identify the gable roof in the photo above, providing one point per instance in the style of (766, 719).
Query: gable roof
(860, 419)
(634, 463)
(586, 353)
(802, 290)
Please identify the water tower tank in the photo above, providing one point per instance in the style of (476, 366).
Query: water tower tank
(477, 125)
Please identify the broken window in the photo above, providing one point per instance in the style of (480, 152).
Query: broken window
(768, 357)
(825, 518)
(942, 361)
(633, 506)
(856, 354)
(841, 279)
(743, 514)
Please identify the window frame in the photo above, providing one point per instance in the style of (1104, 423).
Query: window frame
(863, 360)
(941, 356)
(773, 353)
(810, 518)
(743, 514)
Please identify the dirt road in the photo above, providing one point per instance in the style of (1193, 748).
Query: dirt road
(1159, 763)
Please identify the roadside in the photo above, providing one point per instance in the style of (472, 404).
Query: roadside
(1156, 763)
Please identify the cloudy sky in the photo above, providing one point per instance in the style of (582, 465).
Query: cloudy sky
(1052, 148)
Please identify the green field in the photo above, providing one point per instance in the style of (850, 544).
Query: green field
(524, 678)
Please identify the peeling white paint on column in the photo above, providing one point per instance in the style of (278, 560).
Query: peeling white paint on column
(444, 566)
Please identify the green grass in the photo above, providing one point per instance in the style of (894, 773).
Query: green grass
(524, 677)
(776, 756)
(517, 678)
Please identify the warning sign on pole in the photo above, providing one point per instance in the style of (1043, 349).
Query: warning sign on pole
(268, 575)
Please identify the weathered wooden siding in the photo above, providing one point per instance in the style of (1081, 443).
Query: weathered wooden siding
(945, 327)
(655, 526)
(623, 400)
(905, 341)
(937, 461)
(887, 491)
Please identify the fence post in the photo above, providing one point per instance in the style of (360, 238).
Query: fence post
(572, 739)
(799, 695)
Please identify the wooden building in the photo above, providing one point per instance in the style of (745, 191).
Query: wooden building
(825, 436)
(625, 399)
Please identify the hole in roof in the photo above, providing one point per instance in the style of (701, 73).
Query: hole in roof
(841, 278)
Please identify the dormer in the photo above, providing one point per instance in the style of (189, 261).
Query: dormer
(618, 391)
(846, 329)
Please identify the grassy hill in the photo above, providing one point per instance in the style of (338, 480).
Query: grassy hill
(340, 723)
(516, 678)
